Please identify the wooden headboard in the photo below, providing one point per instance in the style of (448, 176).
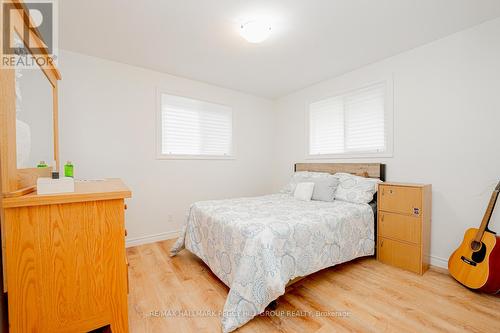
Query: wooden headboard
(368, 170)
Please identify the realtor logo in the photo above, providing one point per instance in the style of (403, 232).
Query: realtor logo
(29, 35)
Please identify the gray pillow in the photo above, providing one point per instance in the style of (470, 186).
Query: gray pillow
(324, 188)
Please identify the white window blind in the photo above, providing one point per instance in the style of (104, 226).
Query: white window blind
(350, 123)
(195, 128)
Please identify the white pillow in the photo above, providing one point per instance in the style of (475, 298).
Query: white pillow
(356, 189)
(304, 191)
(302, 177)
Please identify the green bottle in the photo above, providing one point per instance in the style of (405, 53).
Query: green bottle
(68, 169)
(42, 164)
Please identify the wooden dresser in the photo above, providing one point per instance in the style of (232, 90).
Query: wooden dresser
(65, 259)
(403, 225)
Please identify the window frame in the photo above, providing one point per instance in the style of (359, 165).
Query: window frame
(158, 131)
(388, 122)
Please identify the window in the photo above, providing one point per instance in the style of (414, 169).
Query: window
(194, 129)
(353, 124)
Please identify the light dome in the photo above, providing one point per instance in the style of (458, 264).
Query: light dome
(255, 31)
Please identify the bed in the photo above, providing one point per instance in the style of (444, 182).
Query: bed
(259, 246)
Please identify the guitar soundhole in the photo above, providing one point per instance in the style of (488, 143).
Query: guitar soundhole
(475, 246)
(478, 256)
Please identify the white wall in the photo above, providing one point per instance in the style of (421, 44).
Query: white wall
(108, 130)
(446, 127)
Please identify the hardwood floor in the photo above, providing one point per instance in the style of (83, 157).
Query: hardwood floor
(375, 296)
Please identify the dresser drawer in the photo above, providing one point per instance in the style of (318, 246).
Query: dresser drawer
(401, 199)
(399, 254)
(400, 227)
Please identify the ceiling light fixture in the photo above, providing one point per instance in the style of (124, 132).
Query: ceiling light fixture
(255, 31)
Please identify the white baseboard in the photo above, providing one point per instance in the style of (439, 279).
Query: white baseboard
(439, 262)
(152, 238)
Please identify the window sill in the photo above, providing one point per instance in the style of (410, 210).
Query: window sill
(349, 156)
(193, 157)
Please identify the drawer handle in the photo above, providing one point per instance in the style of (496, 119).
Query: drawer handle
(391, 191)
(416, 211)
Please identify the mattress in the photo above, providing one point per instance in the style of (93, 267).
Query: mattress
(257, 245)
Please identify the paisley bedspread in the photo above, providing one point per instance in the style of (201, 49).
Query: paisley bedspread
(257, 245)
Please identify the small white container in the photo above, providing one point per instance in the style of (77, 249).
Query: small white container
(55, 186)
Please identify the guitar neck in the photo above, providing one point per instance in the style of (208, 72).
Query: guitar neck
(487, 214)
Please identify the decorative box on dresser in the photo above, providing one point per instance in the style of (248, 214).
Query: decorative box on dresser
(403, 225)
(65, 259)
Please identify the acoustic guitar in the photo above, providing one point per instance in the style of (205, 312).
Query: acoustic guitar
(476, 263)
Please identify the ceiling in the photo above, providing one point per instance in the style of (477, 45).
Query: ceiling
(312, 40)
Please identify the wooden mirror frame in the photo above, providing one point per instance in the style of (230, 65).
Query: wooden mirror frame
(14, 181)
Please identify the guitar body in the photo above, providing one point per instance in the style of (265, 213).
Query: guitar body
(478, 269)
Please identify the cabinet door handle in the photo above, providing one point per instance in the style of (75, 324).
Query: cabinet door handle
(381, 243)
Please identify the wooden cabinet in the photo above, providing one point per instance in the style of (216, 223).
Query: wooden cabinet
(65, 260)
(403, 225)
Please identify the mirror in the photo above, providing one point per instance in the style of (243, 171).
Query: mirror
(34, 116)
(28, 107)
